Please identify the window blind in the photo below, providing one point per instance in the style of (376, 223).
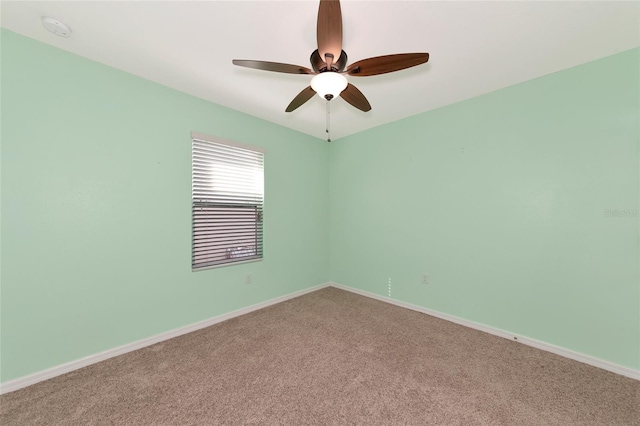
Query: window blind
(227, 202)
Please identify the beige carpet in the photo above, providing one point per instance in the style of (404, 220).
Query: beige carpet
(331, 357)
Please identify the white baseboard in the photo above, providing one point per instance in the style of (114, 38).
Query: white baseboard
(567, 353)
(30, 379)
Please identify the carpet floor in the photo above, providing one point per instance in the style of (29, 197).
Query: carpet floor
(331, 357)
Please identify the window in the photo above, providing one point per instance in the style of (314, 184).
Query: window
(227, 190)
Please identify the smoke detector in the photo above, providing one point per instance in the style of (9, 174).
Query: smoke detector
(56, 27)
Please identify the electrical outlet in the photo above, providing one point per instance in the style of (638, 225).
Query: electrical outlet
(425, 278)
(248, 279)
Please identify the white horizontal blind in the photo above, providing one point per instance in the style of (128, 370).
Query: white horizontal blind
(227, 197)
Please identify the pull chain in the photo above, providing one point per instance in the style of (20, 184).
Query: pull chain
(328, 127)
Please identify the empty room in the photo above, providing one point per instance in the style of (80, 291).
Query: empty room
(320, 212)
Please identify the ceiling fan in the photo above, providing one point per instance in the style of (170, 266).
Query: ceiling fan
(329, 62)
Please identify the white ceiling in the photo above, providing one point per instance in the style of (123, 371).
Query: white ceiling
(475, 47)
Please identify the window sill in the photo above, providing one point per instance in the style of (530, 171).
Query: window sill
(222, 265)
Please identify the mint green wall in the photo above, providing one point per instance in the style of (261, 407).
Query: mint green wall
(96, 181)
(502, 200)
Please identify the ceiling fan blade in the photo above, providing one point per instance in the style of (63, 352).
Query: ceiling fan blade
(329, 31)
(355, 97)
(272, 66)
(302, 97)
(385, 64)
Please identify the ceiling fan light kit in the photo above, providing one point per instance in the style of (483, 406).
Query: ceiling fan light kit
(329, 62)
(329, 84)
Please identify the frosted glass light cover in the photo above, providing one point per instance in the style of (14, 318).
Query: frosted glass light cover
(329, 83)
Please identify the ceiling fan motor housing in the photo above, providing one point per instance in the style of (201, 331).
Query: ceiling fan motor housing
(318, 64)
